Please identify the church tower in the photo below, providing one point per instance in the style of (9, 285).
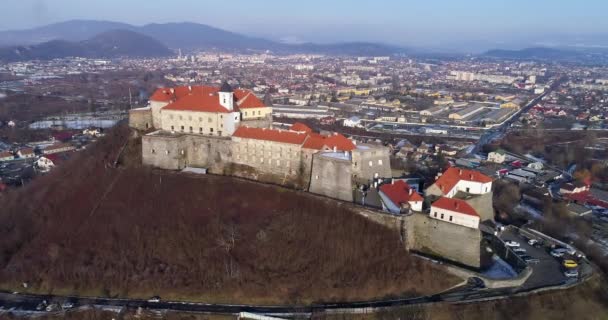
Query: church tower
(226, 96)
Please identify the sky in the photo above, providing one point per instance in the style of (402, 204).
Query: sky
(401, 22)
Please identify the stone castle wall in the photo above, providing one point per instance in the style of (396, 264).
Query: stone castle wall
(443, 239)
(332, 177)
(265, 122)
(483, 205)
(219, 155)
(140, 119)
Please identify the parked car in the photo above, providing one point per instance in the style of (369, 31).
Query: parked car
(518, 249)
(535, 242)
(52, 307)
(154, 299)
(476, 282)
(559, 252)
(571, 273)
(570, 264)
(67, 305)
(529, 259)
(511, 243)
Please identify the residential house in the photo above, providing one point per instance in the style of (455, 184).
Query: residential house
(498, 156)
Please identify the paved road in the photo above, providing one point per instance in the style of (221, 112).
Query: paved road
(463, 294)
(547, 272)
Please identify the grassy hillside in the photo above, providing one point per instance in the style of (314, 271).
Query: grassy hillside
(89, 228)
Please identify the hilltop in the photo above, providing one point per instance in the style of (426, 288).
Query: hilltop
(187, 36)
(89, 228)
(109, 44)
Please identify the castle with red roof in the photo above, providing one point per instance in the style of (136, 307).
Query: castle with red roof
(229, 131)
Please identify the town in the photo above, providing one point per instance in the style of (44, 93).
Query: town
(494, 168)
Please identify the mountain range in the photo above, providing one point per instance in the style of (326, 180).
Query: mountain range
(86, 37)
(107, 44)
(578, 55)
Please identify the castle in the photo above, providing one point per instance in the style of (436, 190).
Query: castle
(229, 131)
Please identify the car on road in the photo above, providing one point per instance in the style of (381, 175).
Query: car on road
(511, 243)
(535, 242)
(569, 264)
(476, 282)
(530, 259)
(67, 305)
(559, 252)
(154, 299)
(41, 306)
(571, 273)
(52, 307)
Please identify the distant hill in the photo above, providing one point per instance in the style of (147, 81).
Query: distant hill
(186, 36)
(108, 44)
(199, 36)
(534, 53)
(73, 30)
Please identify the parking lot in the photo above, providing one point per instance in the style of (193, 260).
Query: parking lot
(547, 271)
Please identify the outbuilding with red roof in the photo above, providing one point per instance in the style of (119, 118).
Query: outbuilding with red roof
(398, 196)
(455, 211)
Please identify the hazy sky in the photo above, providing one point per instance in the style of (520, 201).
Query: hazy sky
(413, 22)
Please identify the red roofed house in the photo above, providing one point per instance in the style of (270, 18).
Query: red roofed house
(201, 110)
(455, 211)
(472, 186)
(456, 179)
(398, 197)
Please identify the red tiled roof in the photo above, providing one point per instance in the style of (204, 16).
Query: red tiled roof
(300, 127)
(26, 151)
(319, 142)
(455, 205)
(5, 154)
(453, 175)
(399, 192)
(195, 102)
(270, 135)
(244, 98)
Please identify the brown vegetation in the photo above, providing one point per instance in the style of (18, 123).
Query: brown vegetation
(89, 228)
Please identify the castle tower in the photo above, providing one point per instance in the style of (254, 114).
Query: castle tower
(226, 96)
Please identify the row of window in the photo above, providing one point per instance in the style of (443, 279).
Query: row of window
(210, 119)
(200, 130)
(200, 119)
(442, 216)
(252, 113)
(371, 163)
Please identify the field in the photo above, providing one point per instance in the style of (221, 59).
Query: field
(89, 228)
